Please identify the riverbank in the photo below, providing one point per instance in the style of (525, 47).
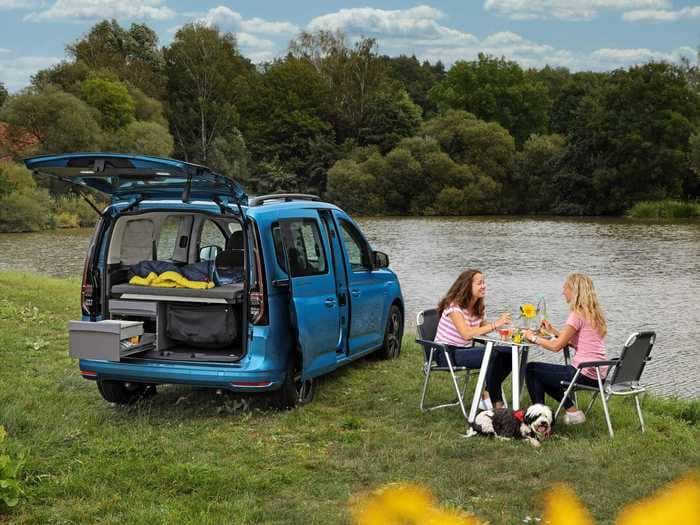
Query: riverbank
(193, 457)
(665, 209)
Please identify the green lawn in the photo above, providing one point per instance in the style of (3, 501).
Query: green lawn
(190, 456)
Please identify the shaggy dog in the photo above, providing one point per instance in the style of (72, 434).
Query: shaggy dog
(534, 425)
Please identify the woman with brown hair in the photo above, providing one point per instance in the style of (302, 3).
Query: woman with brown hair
(462, 317)
(585, 330)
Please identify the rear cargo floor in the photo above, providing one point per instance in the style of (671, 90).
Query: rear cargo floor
(184, 353)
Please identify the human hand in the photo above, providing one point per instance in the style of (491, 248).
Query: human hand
(504, 319)
(546, 325)
(529, 335)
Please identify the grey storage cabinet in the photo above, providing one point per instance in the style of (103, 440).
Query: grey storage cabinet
(104, 340)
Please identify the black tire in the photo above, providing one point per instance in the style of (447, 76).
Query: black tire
(123, 393)
(294, 392)
(393, 334)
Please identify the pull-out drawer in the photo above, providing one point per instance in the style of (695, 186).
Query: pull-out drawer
(133, 308)
(107, 340)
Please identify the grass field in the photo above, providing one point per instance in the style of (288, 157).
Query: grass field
(190, 456)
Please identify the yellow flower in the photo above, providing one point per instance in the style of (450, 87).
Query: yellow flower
(517, 337)
(528, 311)
(677, 504)
(562, 507)
(403, 505)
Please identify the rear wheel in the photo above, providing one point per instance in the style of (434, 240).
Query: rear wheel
(393, 333)
(294, 391)
(123, 393)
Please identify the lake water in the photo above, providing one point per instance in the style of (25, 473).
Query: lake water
(647, 274)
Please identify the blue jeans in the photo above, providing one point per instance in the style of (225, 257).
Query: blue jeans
(499, 367)
(546, 378)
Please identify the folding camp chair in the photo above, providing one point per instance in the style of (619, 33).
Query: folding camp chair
(426, 328)
(439, 357)
(622, 378)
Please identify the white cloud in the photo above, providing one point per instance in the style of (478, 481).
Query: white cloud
(97, 9)
(230, 20)
(420, 31)
(623, 57)
(661, 15)
(567, 9)
(420, 24)
(15, 71)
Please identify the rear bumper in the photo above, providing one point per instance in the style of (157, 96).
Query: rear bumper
(229, 377)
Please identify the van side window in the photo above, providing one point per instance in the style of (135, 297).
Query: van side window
(212, 235)
(358, 253)
(167, 238)
(307, 256)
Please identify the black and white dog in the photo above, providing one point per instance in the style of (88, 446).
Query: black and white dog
(534, 425)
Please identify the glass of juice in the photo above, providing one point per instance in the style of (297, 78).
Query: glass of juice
(505, 331)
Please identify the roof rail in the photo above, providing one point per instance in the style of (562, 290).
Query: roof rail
(287, 197)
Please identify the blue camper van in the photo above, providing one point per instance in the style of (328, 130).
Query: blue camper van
(187, 280)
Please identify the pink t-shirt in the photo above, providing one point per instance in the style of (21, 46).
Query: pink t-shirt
(588, 344)
(447, 331)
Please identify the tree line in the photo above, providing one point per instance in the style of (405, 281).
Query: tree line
(376, 134)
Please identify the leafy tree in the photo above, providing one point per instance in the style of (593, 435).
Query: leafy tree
(567, 99)
(206, 79)
(416, 78)
(61, 122)
(272, 177)
(532, 189)
(485, 146)
(286, 121)
(23, 206)
(145, 107)
(230, 157)
(392, 115)
(67, 75)
(353, 76)
(3, 94)
(496, 89)
(354, 188)
(112, 99)
(632, 137)
(145, 138)
(133, 54)
(693, 185)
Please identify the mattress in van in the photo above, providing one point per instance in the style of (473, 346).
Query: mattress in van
(230, 293)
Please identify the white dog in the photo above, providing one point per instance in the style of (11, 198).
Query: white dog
(534, 425)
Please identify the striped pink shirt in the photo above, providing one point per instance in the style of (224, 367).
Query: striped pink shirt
(447, 331)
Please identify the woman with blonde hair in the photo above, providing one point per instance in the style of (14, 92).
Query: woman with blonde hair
(585, 330)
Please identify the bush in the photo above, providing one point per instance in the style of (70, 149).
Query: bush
(74, 212)
(10, 489)
(26, 210)
(145, 138)
(665, 209)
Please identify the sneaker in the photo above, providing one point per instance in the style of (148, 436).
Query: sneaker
(485, 404)
(574, 418)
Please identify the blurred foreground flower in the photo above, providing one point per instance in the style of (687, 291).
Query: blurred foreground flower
(677, 504)
(404, 505)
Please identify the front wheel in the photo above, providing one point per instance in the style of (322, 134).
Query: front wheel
(294, 391)
(123, 393)
(393, 333)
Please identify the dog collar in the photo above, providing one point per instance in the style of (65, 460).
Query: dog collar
(519, 415)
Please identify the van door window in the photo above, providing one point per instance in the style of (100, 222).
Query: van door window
(355, 246)
(307, 256)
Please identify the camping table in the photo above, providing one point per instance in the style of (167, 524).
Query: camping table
(518, 364)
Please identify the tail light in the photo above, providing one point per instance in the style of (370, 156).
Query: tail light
(257, 297)
(89, 289)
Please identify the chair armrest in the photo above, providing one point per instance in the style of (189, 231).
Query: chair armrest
(425, 342)
(592, 364)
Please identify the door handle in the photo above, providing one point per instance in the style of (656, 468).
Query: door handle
(355, 292)
(330, 302)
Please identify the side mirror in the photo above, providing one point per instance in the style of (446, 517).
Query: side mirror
(209, 253)
(381, 260)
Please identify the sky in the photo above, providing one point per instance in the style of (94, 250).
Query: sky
(597, 35)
